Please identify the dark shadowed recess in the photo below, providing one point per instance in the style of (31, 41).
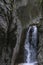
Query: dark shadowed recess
(21, 49)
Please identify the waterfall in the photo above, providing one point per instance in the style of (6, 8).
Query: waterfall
(31, 46)
(28, 52)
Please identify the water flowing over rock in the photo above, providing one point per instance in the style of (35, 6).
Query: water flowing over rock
(28, 50)
(15, 18)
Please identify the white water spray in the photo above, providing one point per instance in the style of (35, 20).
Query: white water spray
(28, 50)
(31, 56)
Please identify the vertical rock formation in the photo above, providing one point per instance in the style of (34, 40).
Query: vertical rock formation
(15, 15)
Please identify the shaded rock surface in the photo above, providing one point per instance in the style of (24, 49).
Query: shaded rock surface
(15, 16)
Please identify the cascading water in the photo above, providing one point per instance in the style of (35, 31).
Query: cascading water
(31, 45)
(28, 52)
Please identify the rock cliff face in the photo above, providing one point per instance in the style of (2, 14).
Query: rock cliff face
(15, 18)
